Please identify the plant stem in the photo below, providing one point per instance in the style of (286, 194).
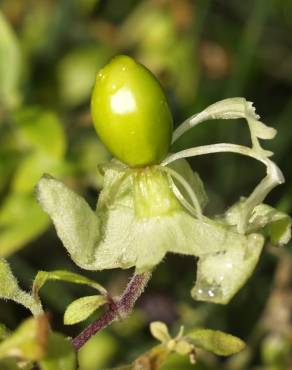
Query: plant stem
(117, 310)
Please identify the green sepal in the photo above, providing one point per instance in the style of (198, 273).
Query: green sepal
(215, 341)
(62, 275)
(80, 309)
(9, 289)
(117, 236)
(28, 342)
(60, 354)
(76, 224)
(31, 168)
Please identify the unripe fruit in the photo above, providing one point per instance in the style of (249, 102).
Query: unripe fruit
(130, 113)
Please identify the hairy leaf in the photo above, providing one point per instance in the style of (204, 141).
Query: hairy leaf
(217, 342)
(76, 224)
(80, 309)
(43, 276)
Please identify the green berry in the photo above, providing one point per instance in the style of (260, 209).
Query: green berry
(130, 113)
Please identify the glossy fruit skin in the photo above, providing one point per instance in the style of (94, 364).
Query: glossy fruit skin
(130, 113)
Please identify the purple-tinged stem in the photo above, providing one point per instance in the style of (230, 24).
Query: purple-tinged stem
(120, 309)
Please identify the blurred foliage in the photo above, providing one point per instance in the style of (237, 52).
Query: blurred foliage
(201, 51)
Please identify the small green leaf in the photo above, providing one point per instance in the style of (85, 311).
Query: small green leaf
(9, 289)
(28, 341)
(80, 309)
(43, 276)
(217, 342)
(60, 354)
(160, 331)
(76, 223)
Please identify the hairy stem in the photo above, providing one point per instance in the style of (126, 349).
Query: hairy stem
(117, 310)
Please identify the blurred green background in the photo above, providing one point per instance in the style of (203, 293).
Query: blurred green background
(201, 51)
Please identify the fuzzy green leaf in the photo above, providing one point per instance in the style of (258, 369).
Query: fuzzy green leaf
(217, 342)
(9, 289)
(76, 224)
(60, 354)
(160, 331)
(28, 341)
(43, 276)
(80, 309)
